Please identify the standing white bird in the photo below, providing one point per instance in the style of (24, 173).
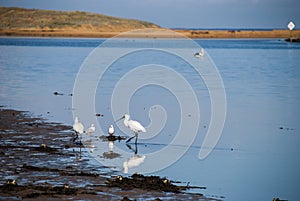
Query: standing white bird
(135, 126)
(111, 130)
(78, 126)
(91, 129)
(199, 54)
(79, 129)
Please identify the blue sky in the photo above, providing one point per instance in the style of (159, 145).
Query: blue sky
(184, 13)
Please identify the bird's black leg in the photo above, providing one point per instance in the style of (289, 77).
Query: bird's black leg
(80, 147)
(136, 137)
(136, 150)
(75, 138)
(129, 139)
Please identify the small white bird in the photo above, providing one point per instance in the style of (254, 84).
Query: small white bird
(78, 126)
(199, 54)
(91, 129)
(111, 130)
(135, 126)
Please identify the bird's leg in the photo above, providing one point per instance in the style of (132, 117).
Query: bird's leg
(136, 137)
(136, 150)
(80, 147)
(76, 137)
(129, 139)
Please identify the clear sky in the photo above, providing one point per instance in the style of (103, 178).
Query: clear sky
(184, 13)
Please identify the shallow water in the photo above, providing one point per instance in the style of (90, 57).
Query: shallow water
(257, 154)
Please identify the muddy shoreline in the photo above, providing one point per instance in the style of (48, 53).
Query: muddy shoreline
(40, 162)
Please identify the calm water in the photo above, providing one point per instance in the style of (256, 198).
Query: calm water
(257, 156)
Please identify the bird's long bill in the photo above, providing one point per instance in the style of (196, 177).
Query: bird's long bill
(120, 119)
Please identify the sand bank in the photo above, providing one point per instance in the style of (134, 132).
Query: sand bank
(188, 33)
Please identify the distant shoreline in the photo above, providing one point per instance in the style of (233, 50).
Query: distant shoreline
(51, 23)
(199, 33)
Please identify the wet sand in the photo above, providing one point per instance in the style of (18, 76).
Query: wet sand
(40, 162)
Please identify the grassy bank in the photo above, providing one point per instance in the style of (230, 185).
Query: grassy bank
(20, 20)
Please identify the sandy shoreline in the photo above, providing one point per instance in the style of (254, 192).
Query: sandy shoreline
(40, 162)
(188, 33)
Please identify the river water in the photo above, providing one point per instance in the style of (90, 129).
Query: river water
(257, 155)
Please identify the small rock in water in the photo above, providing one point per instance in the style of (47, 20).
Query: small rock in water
(57, 93)
(278, 199)
(126, 199)
(285, 128)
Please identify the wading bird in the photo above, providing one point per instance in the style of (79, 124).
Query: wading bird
(199, 54)
(135, 126)
(78, 126)
(79, 129)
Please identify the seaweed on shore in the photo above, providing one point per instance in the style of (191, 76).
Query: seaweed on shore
(140, 181)
(62, 172)
(34, 191)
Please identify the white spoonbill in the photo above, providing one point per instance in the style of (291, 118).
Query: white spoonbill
(199, 54)
(79, 129)
(135, 126)
(78, 126)
(111, 130)
(91, 129)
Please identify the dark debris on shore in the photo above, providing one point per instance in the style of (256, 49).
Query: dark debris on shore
(147, 183)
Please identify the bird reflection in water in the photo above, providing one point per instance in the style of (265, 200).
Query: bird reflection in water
(89, 144)
(133, 161)
(110, 154)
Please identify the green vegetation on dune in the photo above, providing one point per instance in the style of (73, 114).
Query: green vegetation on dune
(20, 18)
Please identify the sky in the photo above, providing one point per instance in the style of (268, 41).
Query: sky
(210, 14)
